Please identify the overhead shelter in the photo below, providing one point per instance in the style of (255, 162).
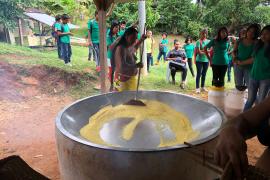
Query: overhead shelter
(46, 19)
(102, 7)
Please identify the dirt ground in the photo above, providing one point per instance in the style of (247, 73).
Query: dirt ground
(27, 119)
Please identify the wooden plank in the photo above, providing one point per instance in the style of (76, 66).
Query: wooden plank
(20, 31)
(103, 51)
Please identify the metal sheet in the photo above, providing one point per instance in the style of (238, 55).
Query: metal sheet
(204, 118)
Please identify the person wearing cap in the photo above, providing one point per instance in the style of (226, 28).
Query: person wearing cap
(124, 61)
(202, 62)
(64, 33)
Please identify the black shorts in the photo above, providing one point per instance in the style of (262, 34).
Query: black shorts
(263, 133)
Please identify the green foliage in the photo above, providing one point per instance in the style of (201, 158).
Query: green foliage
(193, 28)
(174, 15)
(129, 13)
(11, 10)
(261, 15)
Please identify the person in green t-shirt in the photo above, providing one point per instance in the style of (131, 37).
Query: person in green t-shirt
(57, 25)
(220, 59)
(93, 38)
(189, 48)
(163, 48)
(202, 62)
(243, 50)
(259, 82)
(64, 33)
(111, 37)
(122, 29)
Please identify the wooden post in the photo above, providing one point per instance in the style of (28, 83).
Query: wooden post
(103, 51)
(20, 31)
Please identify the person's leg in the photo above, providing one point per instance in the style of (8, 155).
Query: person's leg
(184, 70)
(173, 72)
(238, 77)
(151, 60)
(59, 47)
(95, 54)
(252, 93)
(164, 56)
(205, 66)
(215, 79)
(97, 50)
(222, 74)
(229, 71)
(264, 160)
(246, 77)
(64, 49)
(199, 67)
(263, 89)
(148, 61)
(69, 52)
(191, 67)
(159, 56)
(90, 53)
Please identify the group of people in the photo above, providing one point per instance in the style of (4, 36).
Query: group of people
(61, 33)
(248, 55)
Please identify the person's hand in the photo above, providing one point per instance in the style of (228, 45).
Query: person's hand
(71, 34)
(231, 147)
(90, 43)
(139, 65)
(144, 36)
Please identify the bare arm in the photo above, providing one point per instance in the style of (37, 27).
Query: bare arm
(137, 45)
(231, 146)
(59, 33)
(246, 62)
(234, 55)
(248, 123)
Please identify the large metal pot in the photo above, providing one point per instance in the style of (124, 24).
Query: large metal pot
(80, 159)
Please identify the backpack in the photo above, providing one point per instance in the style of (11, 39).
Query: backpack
(54, 33)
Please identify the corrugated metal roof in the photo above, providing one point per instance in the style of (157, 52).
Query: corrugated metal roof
(46, 19)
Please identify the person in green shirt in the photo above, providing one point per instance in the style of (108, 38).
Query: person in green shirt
(202, 62)
(189, 48)
(93, 38)
(259, 82)
(123, 26)
(57, 25)
(220, 58)
(163, 48)
(243, 50)
(111, 37)
(64, 34)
